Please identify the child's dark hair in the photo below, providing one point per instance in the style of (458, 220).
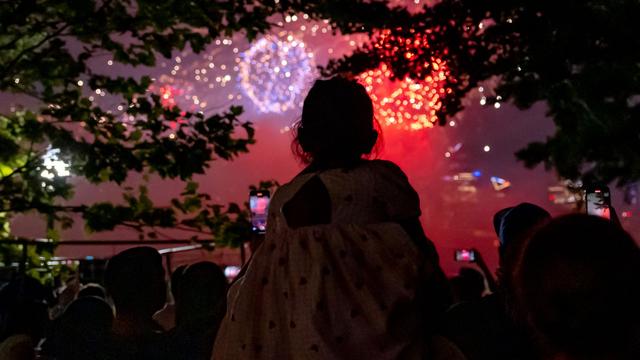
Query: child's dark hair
(337, 123)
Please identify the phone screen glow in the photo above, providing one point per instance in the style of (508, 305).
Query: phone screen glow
(259, 205)
(465, 255)
(598, 205)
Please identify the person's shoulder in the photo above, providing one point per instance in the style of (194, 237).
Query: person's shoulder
(388, 174)
(383, 164)
(286, 187)
(386, 166)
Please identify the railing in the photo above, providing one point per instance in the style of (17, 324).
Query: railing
(180, 246)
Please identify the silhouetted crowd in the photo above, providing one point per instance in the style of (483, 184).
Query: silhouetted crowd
(117, 321)
(566, 288)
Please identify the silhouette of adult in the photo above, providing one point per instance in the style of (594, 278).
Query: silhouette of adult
(23, 318)
(577, 283)
(166, 317)
(514, 226)
(83, 330)
(488, 328)
(134, 280)
(199, 308)
(176, 278)
(467, 286)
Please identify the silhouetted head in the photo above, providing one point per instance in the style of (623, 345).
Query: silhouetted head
(23, 308)
(92, 289)
(468, 285)
(577, 285)
(337, 124)
(203, 292)
(134, 279)
(83, 330)
(513, 226)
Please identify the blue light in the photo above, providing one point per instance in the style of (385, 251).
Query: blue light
(89, 257)
(476, 173)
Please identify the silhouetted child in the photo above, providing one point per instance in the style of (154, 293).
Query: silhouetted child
(345, 270)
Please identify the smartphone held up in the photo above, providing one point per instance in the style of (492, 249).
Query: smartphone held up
(259, 206)
(598, 201)
(465, 255)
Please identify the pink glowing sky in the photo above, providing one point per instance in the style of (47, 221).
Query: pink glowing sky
(451, 218)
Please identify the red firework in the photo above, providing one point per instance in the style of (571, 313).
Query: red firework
(168, 95)
(410, 103)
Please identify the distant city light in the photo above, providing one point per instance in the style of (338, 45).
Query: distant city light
(486, 148)
(499, 183)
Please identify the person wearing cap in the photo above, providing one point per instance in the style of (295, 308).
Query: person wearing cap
(487, 329)
(514, 225)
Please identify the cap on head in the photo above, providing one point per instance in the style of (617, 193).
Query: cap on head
(513, 224)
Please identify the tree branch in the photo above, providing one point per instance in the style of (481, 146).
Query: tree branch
(19, 169)
(193, 230)
(166, 236)
(11, 43)
(13, 62)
